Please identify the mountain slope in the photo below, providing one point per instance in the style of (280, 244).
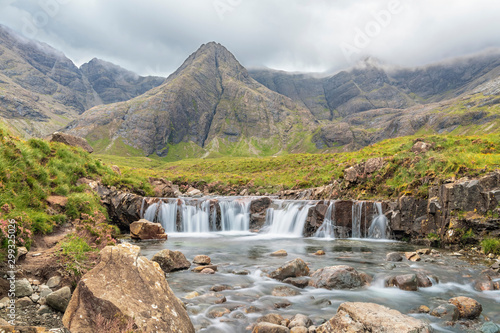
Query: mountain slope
(210, 105)
(41, 90)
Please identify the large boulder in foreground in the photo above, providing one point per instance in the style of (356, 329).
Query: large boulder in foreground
(125, 289)
(294, 268)
(71, 140)
(171, 261)
(359, 317)
(143, 229)
(336, 277)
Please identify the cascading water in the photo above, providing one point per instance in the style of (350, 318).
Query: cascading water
(379, 225)
(195, 218)
(288, 219)
(327, 229)
(235, 215)
(357, 214)
(167, 215)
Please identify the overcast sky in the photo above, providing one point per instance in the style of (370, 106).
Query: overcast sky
(156, 36)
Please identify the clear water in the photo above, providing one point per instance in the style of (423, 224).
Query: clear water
(244, 251)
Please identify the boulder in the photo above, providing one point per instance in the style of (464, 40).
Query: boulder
(374, 164)
(279, 253)
(125, 288)
(200, 269)
(23, 302)
(299, 282)
(336, 277)
(23, 288)
(202, 260)
(299, 329)
(270, 328)
(54, 281)
(393, 256)
(272, 318)
(370, 317)
(404, 282)
(412, 256)
(59, 299)
(193, 192)
(294, 268)
(21, 253)
(467, 307)
(421, 147)
(490, 327)
(423, 280)
(300, 320)
(71, 140)
(171, 261)
(143, 229)
(447, 312)
(207, 271)
(351, 174)
(284, 291)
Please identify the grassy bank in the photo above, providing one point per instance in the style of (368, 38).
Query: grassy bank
(403, 172)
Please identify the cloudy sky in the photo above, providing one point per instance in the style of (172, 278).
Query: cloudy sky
(155, 36)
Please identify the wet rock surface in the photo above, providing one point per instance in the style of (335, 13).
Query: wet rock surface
(336, 277)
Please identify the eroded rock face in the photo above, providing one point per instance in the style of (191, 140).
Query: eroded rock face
(144, 229)
(294, 268)
(370, 317)
(126, 288)
(336, 277)
(171, 261)
(71, 140)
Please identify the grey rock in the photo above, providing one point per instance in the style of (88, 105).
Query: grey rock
(394, 256)
(23, 288)
(336, 277)
(490, 327)
(59, 299)
(293, 268)
(300, 320)
(54, 282)
(447, 312)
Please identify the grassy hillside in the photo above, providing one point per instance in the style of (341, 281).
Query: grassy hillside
(404, 171)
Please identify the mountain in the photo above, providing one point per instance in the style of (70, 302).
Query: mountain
(210, 106)
(41, 90)
(115, 84)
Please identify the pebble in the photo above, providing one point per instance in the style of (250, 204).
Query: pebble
(279, 253)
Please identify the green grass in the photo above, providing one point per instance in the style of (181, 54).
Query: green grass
(404, 172)
(76, 248)
(491, 245)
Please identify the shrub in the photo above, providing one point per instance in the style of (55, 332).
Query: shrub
(491, 245)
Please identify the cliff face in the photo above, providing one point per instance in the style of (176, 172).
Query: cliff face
(41, 90)
(210, 103)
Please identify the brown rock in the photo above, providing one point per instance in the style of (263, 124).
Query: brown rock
(421, 147)
(351, 174)
(199, 269)
(423, 280)
(467, 307)
(299, 329)
(217, 313)
(370, 317)
(116, 169)
(279, 253)
(423, 309)
(21, 329)
(393, 256)
(171, 261)
(272, 318)
(412, 256)
(374, 164)
(270, 328)
(299, 282)
(71, 140)
(404, 282)
(294, 268)
(56, 201)
(320, 253)
(207, 271)
(424, 251)
(143, 298)
(202, 260)
(144, 229)
(221, 287)
(336, 277)
(284, 292)
(300, 320)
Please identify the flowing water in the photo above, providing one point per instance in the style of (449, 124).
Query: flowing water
(220, 228)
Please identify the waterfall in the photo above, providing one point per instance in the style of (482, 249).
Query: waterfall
(150, 213)
(288, 219)
(167, 215)
(357, 214)
(235, 215)
(379, 225)
(195, 218)
(327, 229)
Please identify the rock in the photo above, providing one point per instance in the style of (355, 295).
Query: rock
(199, 269)
(404, 282)
(423, 280)
(221, 300)
(299, 329)
(272, 318)
(284, 292)
(447, 312)
(412, 256)
(423, 309)
(54, 282)
(218, 312)
(43, 309)
(59, 299)
(44, 291)
(192, 192)
(294, 268)
(241, 272)
(23, 288)
(300, 320)
(221, 287)
(207, 271)
(374, 164)
(21, 253)
(269, 328)
(366, 279)
(490, 327)
(171, 261)
(143, 298)
(279, 253)
(424, 251)
(312, 329)
(143, 229)
(299, 282)
(202, 260)
(71, 140)
(336, 277)
(393, 256)
(116, 169)
(4, 322)
(320, 253)
(192, 295)
(370, 317)
(467, 307)
(23, 302)
(57, 202)
(282, 305)
(4, 302)
(421, 147)
(351, 174)
(35, 298)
